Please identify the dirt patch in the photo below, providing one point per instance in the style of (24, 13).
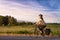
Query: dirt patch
(17, 35)
(26, 35)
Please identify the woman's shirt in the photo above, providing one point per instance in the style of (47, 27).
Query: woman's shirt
(40, 22)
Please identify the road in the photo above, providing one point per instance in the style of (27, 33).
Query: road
(28, 38)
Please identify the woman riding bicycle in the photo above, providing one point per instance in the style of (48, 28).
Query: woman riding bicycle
(41, 24)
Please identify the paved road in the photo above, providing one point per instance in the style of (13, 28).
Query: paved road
(28, 38)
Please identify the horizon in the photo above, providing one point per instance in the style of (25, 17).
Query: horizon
(28, 10)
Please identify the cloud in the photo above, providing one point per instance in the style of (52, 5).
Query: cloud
(27, 12)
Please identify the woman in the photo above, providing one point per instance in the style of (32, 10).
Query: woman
(41, 24)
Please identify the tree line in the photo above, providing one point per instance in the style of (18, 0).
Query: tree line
(11, 21)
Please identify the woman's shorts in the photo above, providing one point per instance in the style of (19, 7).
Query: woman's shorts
(41, 27)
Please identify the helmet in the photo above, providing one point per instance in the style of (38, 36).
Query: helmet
(40, 15)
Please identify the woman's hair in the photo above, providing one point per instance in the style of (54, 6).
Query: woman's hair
(41, 16)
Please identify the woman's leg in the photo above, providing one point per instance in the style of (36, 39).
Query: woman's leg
(42, 33)
(42, 30)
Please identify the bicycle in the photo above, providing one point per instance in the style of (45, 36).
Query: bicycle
(46, 31)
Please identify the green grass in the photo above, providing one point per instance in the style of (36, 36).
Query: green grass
(55, 28)
(18, 32)
(17, 29)
(28, 29)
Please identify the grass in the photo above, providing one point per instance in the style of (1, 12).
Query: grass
(17, 32)
(17, 29)
(28, 29)
(55, 28)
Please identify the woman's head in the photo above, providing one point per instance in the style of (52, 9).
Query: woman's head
(40, 16)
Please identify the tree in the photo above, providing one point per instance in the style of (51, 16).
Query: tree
(5, 21)
(12, 21)
(1, 20)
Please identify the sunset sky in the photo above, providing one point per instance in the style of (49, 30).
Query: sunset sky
(28, 10)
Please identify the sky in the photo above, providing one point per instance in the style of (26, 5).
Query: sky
(28, 10)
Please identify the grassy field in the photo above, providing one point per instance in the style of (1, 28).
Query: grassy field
(55, 28)
(28, 29)
(17, 29)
